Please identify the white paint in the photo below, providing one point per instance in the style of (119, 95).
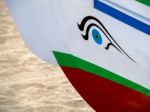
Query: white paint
(132, 7)
(51, 25)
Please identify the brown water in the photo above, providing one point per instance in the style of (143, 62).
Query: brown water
(27, 84)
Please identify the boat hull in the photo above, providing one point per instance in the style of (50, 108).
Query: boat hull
(103, 90)
(105, 95)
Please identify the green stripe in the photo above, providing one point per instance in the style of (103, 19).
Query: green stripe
(145, 2)
(75, 62)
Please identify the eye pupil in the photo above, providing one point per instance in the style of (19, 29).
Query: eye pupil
(97, 36)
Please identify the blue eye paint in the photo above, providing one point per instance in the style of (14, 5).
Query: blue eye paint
(97, 36)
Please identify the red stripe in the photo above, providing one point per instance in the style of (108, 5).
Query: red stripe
(105, 95)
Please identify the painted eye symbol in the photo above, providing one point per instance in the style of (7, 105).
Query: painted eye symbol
(97, 35)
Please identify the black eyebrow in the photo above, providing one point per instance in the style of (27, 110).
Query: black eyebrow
(82, 26)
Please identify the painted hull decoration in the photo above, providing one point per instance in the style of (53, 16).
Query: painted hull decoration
(97, 37)
(101, 45)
